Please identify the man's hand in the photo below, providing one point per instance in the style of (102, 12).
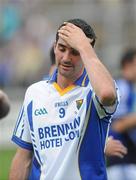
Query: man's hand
(74, 36)
(115, 148)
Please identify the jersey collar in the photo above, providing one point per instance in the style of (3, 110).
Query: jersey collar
(83, 80)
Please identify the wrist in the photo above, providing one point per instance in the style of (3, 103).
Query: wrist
(87, 52)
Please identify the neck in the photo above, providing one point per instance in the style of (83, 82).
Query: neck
(64, 82)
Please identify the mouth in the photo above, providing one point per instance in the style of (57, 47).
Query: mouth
(66, 67)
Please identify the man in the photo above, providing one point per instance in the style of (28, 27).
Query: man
(124, 124)
(64, 120)
(4, 104)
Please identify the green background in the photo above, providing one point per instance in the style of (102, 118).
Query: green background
(6, 157)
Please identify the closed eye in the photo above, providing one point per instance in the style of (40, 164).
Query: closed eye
(74, 52)
(61, 47)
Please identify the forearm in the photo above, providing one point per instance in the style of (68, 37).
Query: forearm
(125, 123)
(20, 167)
(19, 172)
(99, 76)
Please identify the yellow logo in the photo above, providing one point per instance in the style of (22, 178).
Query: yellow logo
(79, 103)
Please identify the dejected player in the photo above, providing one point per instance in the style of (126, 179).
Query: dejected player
(63, 124)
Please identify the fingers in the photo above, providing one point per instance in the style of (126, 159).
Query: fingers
(63, 33)
(70, 25)
(120, 148)
(66, 30)
(123, 150)
(115, 148)
(119, 154)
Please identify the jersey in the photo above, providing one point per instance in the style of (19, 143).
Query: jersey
(66, 129)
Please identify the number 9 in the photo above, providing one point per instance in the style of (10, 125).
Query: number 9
(62, 112)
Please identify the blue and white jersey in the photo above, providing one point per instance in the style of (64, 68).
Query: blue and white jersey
(66, 129)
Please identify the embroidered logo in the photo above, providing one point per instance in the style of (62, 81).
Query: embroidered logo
(79, 103)
(41, 111)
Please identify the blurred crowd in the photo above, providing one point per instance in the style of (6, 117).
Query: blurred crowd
(27, 33)
(24, 47)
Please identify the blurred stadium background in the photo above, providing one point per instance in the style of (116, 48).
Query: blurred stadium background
(27, 31)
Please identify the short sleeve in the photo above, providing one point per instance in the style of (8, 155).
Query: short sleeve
(104, 111)
(21, 135)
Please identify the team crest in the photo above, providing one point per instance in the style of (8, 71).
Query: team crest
(79, 103)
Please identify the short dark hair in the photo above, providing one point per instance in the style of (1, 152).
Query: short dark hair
(128, 57)
(87, 29)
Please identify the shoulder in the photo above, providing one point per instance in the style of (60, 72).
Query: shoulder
(36, 88)
(37, 85)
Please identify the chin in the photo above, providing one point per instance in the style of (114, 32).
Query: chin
(67, 74)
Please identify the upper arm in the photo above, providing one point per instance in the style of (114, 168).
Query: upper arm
(103, 110)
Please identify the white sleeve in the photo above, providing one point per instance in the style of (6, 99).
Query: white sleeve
(21, 135)
(106, 110)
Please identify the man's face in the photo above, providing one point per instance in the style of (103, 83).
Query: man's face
(68, 60)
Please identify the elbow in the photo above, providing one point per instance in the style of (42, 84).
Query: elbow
(108, 97)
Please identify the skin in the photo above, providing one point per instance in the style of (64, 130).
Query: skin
(21, 165)
(115, 148)
(69, 65)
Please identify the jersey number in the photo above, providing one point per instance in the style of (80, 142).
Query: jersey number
(62, 112)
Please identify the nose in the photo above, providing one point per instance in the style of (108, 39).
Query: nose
(66, 56)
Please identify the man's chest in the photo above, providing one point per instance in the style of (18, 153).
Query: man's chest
(58, 119)
(49, 109)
